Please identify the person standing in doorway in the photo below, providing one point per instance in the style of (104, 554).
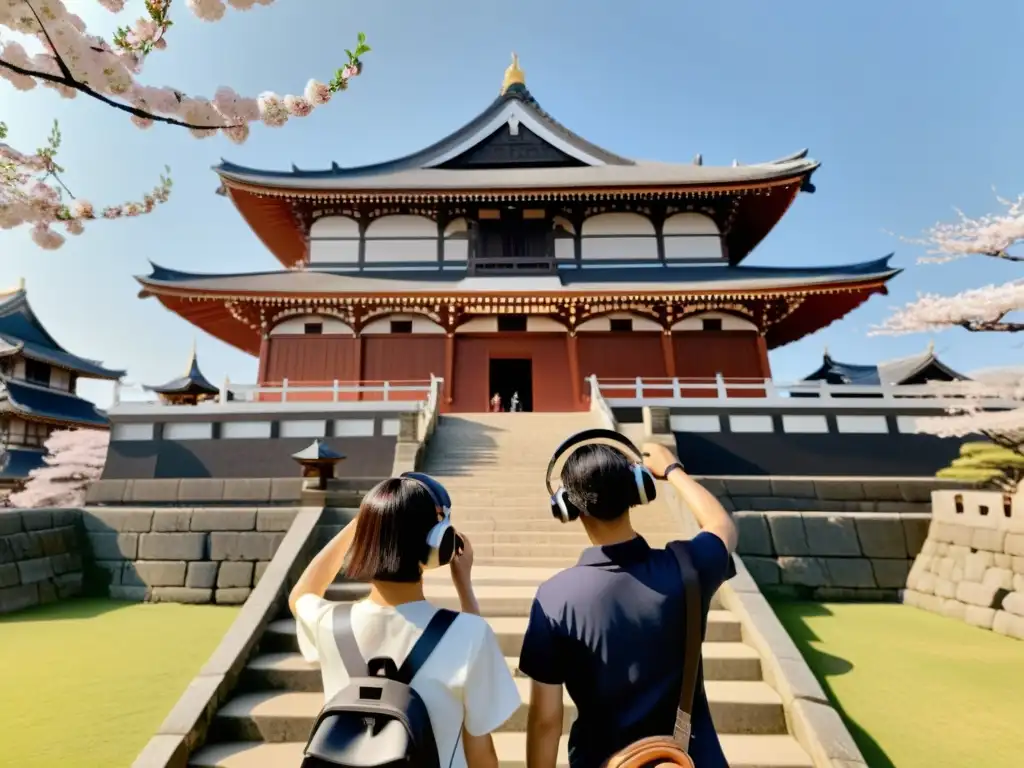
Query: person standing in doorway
(514, 403)
(496, 403)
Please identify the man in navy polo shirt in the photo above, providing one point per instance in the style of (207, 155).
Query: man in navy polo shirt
(611, 629)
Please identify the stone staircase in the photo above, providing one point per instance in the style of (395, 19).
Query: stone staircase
(493, 465)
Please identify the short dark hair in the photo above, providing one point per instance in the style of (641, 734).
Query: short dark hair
(598, 480)
(390, 542)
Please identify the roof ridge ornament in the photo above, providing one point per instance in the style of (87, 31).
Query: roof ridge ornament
(513, 75)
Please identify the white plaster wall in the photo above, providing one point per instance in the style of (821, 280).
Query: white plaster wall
(695, 423)
(353, 428)
(456, 240)
(188, 430)
(862, 425)
(729, 322)
(296, 325)
(759, 423)
(804, 423)
(479, 325)
(604, 323)
(132, 432)
(60, 379)
(543, 325)
(420, 325)
(230, 430)
(16, 431)
(691, 236)
(619, 236)
(565, 248)
(386, 239)
(332, 251)
(303, 428)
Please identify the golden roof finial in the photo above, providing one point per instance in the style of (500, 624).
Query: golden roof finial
(931, 347)
(513, 75)
(21, 283)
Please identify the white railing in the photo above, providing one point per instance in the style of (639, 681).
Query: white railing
(391, 396)
(429, 410)
(285, 392)
(762, 393)
(600, 406)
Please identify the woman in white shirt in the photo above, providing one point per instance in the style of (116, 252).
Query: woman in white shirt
(465, 684)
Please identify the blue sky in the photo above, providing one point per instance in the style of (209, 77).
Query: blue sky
(912, 110)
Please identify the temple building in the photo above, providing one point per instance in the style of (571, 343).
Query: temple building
(914, 369)
(514, 256)
(190, 389)
(38, 383)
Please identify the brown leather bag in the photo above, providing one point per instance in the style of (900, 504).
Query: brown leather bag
(671, 750)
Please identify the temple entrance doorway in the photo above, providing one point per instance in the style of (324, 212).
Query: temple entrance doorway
(512, 376)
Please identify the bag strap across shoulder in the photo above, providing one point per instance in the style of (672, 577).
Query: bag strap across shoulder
(426, 644)
(351, 658)
(356, 666)
(692, 650)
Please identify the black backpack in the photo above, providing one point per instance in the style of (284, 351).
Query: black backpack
(377, 720)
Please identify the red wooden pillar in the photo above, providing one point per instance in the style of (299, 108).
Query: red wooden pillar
(669, 354)
(358, 365)
(762, 352)
(261, 376)
(574, 368)
(449, 368)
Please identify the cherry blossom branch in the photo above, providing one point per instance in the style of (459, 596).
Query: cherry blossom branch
(976, 310)
(74, 61)
(990, 235)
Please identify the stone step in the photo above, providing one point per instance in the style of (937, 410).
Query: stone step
(507, 521)
(723, 627)
(280, 716)
(741, 751)
(290, 672)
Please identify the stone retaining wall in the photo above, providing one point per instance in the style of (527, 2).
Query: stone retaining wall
(184, 555)
(825, 494)
(40, 557)
(831, 556)
(971, 566)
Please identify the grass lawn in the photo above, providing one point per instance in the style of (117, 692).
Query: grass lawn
(85, 683)
(917, 690)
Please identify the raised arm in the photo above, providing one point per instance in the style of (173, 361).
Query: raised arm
(711, 515)
(323, 568)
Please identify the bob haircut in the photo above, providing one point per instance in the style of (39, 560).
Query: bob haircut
(598, 479)
(390, 542)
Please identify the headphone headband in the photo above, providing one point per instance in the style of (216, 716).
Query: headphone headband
(586, 437)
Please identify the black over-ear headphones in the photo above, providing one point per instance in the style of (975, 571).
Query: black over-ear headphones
(443, 543)
(564, 510)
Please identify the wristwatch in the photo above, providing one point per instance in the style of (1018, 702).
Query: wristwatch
(670, 467)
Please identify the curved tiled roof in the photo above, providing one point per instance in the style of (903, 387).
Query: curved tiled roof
(16, 463)
(601, 167)
(192, 383)
(649, 278)
(41, 403)
(19, 327)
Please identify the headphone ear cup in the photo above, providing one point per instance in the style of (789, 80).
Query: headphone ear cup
(650, 486)
(646, 487)
(446, 549)
(562, 509)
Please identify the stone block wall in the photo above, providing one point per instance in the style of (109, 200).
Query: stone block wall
(825, 494)
(829, 555)
(184, 555)
(971, 566)
(40, 557)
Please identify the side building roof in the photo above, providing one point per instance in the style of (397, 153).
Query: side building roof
(21, 331)
(192, 383)
(913, 369)
(49, 405)
(16, 463)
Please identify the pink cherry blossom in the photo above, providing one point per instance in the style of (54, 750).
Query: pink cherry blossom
(297, 106)
(71, 61)
(317, 93)
(74, 460)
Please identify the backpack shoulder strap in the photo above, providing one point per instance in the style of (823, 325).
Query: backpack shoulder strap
(426, 644)
(345, 639)
(692, 651)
